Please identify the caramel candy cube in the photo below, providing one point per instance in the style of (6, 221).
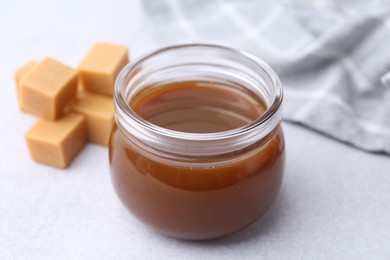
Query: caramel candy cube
(99, 112)
(48, 87)
(56, 143)
(18, 75)
(101, 65)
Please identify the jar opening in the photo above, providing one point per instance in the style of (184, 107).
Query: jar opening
(200, 63)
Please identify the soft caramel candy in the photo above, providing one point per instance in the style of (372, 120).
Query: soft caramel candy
(48, 87)
(18, 75)
(56, 143)
(99, 112)
(100, 67)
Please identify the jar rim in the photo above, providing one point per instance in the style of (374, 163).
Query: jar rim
(125, 108)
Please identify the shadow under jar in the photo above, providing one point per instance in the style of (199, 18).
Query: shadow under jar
(197, 151)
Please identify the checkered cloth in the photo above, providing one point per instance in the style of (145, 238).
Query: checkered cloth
(332, 56)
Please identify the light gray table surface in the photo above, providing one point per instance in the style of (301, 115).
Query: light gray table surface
(334, 203)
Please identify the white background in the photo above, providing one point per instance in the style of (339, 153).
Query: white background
(334, 204)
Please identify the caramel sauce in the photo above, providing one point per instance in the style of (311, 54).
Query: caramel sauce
(195, 201)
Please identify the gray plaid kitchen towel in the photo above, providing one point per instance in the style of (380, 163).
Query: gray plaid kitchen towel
(332, 56)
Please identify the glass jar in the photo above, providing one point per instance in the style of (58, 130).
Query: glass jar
(198, 185)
